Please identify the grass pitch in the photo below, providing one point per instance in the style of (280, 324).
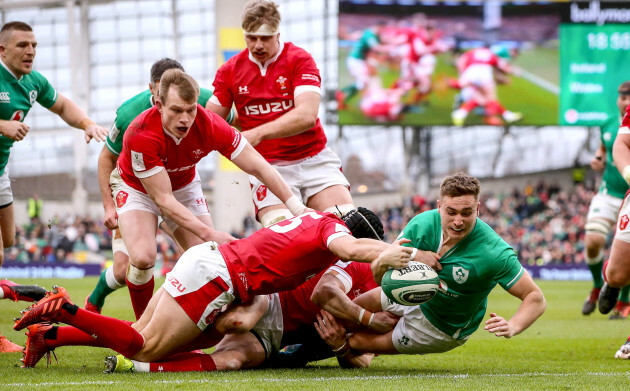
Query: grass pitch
(563, 350)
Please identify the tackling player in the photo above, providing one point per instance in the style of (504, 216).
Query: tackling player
(113, 277)
(474, 260)
(20, 88)
(604, 208)
(275, 87)
(617, 268)
(209, 276)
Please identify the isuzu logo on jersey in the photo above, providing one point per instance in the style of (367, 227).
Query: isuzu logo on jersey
(460, 275)
(261, 192)
(273, 107)
(281, 80)
(243, 90)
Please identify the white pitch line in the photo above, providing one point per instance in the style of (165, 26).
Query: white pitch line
(540, 82)
(323, 379)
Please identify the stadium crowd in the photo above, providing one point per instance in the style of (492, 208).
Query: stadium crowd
(544, 224)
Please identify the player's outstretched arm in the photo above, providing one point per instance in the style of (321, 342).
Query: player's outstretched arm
(106, 164)
(330, 295)
(158, 187)
(348, 248)
(219, 110)
(296, 121)
(75, 117)
(532, 307)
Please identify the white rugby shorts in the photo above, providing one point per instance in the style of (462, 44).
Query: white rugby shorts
(127, 198)
(477, 75)
(414, 334)
(359, 70)
(270, 328)
(6, 194)
(200, 283)
(305, 178)
(604, 206)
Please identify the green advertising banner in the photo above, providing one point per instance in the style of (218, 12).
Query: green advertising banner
(594, 60)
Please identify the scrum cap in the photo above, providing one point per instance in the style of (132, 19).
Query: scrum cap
(363, 223)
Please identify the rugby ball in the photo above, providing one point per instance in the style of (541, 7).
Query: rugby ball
(414, 284)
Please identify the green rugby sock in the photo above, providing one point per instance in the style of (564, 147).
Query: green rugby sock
(101, 291)
(596, 271)
(624, 295)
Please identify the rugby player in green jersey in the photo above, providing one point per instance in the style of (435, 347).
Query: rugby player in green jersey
(604, 208)
(113, 277)
(20, 88)
(473, 259)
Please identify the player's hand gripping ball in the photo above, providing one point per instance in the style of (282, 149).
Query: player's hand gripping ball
(414, 284)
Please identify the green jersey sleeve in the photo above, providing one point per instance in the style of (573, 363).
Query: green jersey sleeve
(46, 94)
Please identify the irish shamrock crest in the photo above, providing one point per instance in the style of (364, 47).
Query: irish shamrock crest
(460, 275)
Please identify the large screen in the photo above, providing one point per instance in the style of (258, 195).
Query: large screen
(424, 63)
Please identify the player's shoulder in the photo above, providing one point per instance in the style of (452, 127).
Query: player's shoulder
(135, 105)
(295, 51)
(204, 95)
(146, 124)
(35, 78)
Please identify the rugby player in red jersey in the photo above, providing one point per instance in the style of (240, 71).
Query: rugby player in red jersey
(210, 276)
(276, 87)
(156, 176)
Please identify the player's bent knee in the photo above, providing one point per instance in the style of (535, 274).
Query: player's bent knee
(139, 276)
(275, 216)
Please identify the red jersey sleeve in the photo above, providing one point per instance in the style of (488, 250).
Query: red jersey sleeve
(144, 147)
(222, 80)
(306, 72)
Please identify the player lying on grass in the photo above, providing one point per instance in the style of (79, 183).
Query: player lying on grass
(474, 260)
(209, 276)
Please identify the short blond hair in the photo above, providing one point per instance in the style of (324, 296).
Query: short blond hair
(188, 87)
(259, 12)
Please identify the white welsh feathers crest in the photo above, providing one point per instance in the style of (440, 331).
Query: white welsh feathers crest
(460, 275)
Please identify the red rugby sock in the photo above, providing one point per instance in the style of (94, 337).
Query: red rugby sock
(140, 296)
(185, 362)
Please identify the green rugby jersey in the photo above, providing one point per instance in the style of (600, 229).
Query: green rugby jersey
(368, 40)
(613, 183)
(16, 99)
(131, 108)
(471, 269)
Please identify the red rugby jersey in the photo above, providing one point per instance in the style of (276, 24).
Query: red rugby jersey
(262, 94)
(284, 255)
(147, 148)
(298, 309)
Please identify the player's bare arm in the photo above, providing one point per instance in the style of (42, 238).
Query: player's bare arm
(381, 264)
(75, 117)
(532, 307)
(219, 110)
(14, 130)
(329, 294)
(348, 248)
(106, 164)
(334, 334)
(158, 187)
(296, 121)
(621, 154)
(250, 161)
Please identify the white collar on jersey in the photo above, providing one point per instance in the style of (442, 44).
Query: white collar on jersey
(177, 140)
(263, 68)
(10, 71)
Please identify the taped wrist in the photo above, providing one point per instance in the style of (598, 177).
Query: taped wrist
(295, 205)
